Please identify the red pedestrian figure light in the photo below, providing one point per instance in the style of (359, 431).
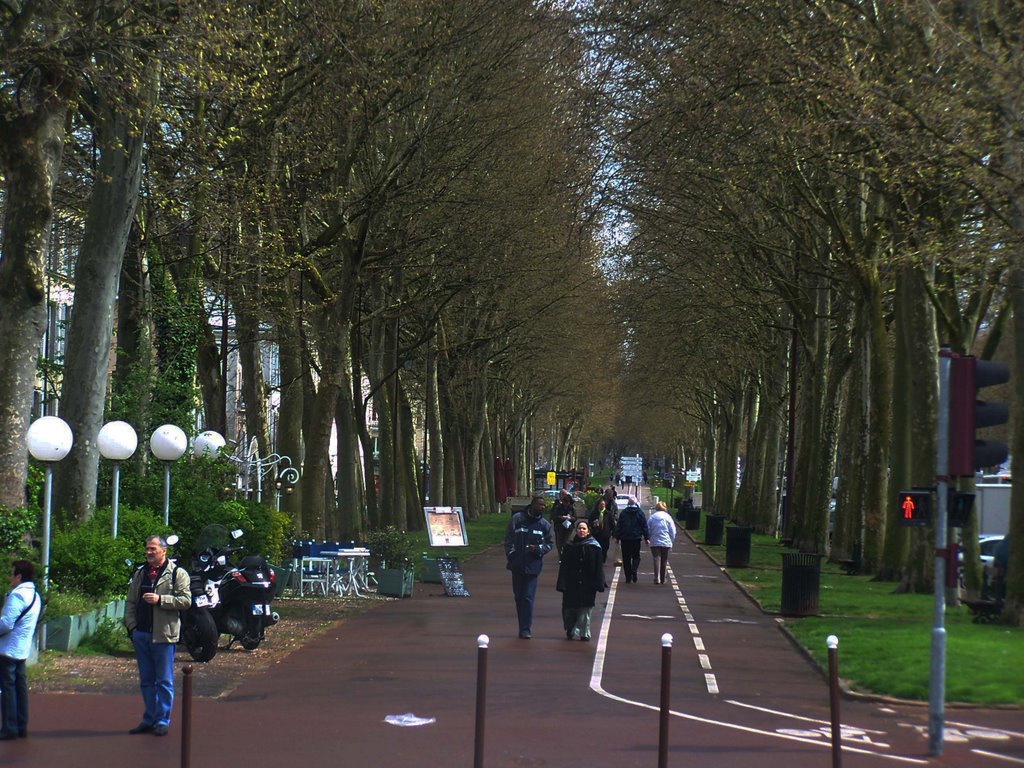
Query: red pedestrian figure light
(916, 507)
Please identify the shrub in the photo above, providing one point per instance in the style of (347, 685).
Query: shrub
(84, 558)
(391, 547)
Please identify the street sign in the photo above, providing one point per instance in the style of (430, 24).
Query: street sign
(551, 479)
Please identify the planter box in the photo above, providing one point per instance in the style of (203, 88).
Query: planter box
(65, 633)
(395, 582)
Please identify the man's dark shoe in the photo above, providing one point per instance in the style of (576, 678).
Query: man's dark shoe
(141, 728)
(23, 734)
(159, 730)
(7, 735)
(524, 635)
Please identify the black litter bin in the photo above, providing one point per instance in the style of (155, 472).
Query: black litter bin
(801, 577)
(714, 530)
(737, 546)
(692, 519)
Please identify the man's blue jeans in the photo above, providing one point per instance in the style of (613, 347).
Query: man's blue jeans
(524, 587)
(14, 695)
(156, 677)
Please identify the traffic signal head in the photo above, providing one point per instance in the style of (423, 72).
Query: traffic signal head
(967, 414)
(958, 508)
(914, 507)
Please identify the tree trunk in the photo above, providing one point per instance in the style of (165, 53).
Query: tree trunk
(31, 144)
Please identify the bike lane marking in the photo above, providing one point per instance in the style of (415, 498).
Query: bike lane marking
(804, 737)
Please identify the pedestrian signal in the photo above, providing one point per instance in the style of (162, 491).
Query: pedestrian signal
(914, 507)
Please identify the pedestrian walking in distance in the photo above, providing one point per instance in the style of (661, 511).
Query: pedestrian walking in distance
(527, 540)
(662, 530)
(580, 578)
(17, 626)
(157, 591)
(563, 514)
(632, 528)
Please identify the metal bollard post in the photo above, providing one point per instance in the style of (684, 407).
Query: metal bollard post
(186, 717)
(833, 684)
(666, 677)
(481, 699)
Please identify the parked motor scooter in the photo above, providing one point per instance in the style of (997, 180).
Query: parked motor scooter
(236, 597)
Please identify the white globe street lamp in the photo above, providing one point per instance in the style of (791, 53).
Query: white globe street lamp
(49, 441)
(208, 444)
(117, 441)
(168, 443)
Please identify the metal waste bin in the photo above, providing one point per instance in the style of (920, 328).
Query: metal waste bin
(714, 530)
(801, 578)
(737, 546)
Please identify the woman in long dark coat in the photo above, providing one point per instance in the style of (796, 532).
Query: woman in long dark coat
(580, 578)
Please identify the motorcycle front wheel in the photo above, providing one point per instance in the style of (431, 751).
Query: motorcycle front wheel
(200, 635)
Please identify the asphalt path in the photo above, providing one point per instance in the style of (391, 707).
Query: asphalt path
(740, 693)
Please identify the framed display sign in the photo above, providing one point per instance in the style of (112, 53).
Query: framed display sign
(445, 526)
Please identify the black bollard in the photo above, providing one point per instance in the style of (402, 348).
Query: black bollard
(481, 699)
(666, 679)
(186, 717)
(833, 684)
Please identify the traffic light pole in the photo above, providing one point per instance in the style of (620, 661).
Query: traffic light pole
(937, 682)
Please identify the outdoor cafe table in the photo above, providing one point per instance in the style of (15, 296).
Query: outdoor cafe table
(351, 570)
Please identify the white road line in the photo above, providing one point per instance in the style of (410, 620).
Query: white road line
(693, 629)
(698, 643)
(997, 756)
(985, 728)
(597, 674)
(789, 715)
(705, 662)
(711, 683)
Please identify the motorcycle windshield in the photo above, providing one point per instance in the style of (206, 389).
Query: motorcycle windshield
(212, 539)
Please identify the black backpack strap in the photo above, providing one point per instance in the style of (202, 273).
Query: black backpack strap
(35, 596)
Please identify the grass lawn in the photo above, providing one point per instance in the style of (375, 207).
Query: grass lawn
(885, 638)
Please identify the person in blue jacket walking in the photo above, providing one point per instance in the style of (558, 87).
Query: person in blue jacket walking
(17, 626)
(527, 539)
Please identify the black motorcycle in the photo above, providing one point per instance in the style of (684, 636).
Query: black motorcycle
(235, 599)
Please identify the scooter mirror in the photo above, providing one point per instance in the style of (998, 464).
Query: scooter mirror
(236, 534)
(172, 540)
(222, 560)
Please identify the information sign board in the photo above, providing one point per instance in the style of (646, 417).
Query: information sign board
(446, 526)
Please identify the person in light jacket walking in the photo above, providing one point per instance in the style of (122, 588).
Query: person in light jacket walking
(17, 626)
(662, 529)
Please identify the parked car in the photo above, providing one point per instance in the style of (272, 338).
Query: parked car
(986, 552)
(623, 500)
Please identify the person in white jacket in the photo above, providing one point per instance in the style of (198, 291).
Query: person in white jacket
(17, 626)
(662, 529)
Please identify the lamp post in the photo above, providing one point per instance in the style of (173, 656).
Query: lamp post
(288, 477)
(117, 441)
(49, 440)
(168, 443)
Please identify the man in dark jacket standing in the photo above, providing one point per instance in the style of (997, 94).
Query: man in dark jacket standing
(563, 515)
(527, 540)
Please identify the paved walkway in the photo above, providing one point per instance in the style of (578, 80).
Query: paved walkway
(740, 692)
